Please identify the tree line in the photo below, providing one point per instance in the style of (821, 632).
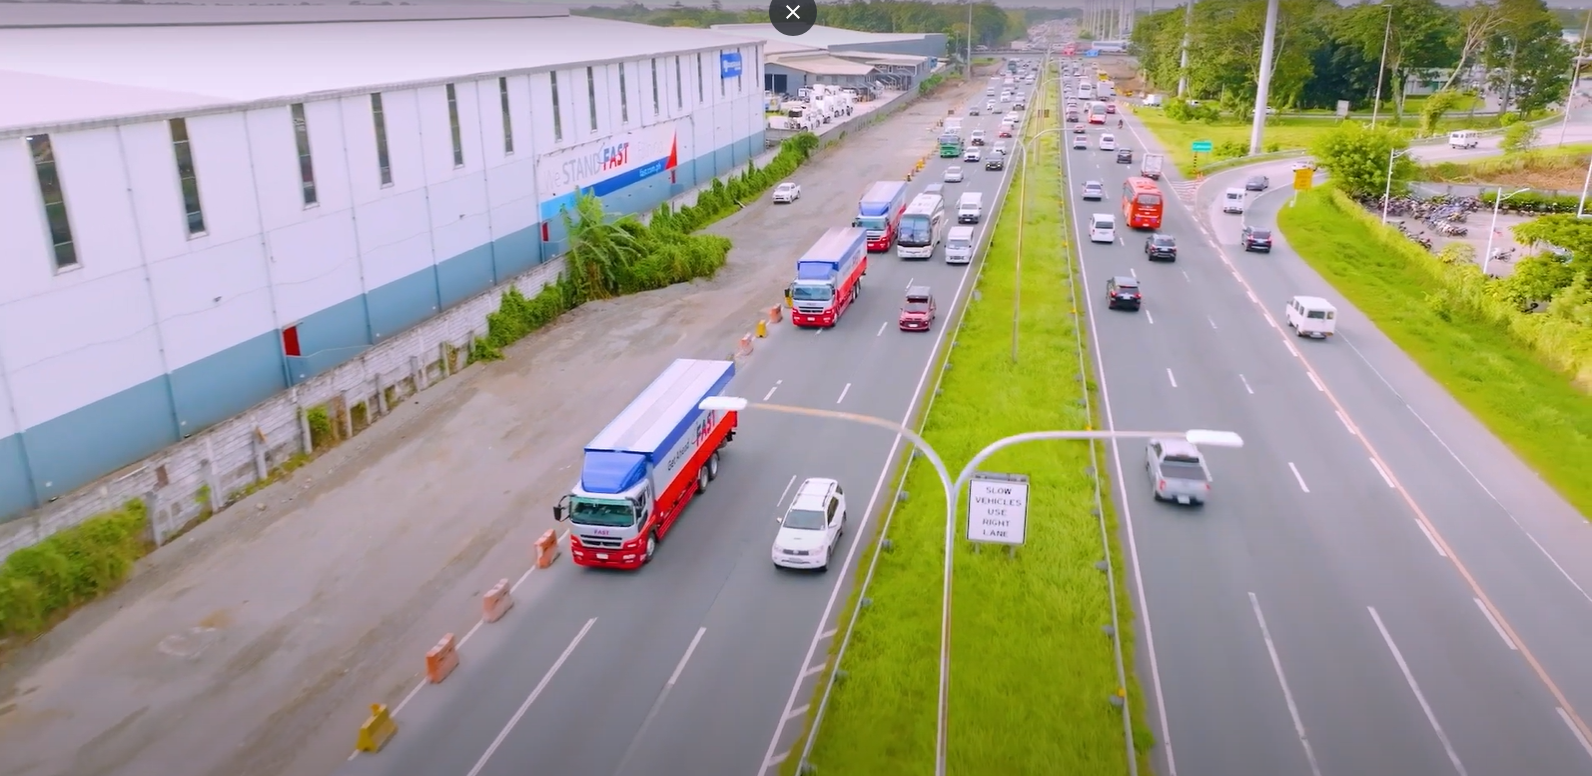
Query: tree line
(993, 26)
(1325, 52)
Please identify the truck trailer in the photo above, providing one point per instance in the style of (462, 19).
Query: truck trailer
(828, 277)
(879, 212)
(640, 471)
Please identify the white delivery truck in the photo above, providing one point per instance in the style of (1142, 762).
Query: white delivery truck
(639, 472)
(959, 245)
(970, 207)
(1233, 201)
(1150, 166)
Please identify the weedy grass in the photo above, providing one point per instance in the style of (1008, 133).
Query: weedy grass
(1033, 672)
(1533, 408)
(1282, 134)
(1562, 168)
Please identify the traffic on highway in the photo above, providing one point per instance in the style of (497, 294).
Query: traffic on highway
(700, 657)
(1349, 598)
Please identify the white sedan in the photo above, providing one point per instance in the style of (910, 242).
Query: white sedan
(1108, 143)
(953, 174)
(787, 193)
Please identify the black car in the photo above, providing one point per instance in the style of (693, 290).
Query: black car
(1123, 293)
(1254, 239)
(972, 111)
(1124, 156)
(1257, 183)
(1161, 246)
(996, 162)
(1020, 106)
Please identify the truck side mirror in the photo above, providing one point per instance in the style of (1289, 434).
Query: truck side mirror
(558, 514)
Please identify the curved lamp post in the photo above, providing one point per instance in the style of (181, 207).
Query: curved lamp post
(1492, 228)
(953, 488)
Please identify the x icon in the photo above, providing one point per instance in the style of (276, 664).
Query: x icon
(791, 12)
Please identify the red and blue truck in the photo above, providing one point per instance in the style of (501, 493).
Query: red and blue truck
(828, 277)
(879, 212)
(639, 472)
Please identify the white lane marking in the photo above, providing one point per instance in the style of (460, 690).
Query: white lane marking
(843, 392)
(771, 391)
(1556, 565)
(1170, 378)
(783, 493)
(796, 712)
(909, 282)
(775, 760)
(1387, 478)
(1271, 323)
(1121, 243)
(1149, 317)
(1212, 320)
(1448, 747)
(1252, 296)
(829, 634)
(1316, 381)
(819, 331)
(527, 574)
(1496, 627)
(524, 707)
(1287, 694)
(1563, 715)
(1246, 384)
(1346, 423)
(880, 334)
(1291, 348)
(1295, 470)
(1431, 538)
(657, 705)
(679, 667)
(1186, 277)
(1133, 272)
(813, 670)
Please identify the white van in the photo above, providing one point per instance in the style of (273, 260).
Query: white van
(1233, 201)
(1464, 138)
(922, 227)
(959, 245)
(1102, 228)
(1312, 316)
(970, 207)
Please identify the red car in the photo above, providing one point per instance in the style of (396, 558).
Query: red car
(917, 312)
(1004, 133)
(1111, 107)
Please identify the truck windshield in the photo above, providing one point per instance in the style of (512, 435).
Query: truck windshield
(812, 293)
(915, 232)
(804, 520)
(871, 223)
(613, 514)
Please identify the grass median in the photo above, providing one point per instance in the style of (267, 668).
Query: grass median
(1033, 672)
(1536, 410)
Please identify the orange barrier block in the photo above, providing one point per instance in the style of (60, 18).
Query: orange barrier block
(442, 659)
(746, 346)
(497, 602)
(546, 549)
(774, 314)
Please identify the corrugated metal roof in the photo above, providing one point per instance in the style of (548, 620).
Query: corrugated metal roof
(57, 77)
(820, 65)
(100, 13)
(880, 59)
(819, 35)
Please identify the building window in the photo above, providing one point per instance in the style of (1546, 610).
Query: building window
(558, 117)
(702, 94)
(624, 96)
(383, 161)
(453, 127)
(508, 120)
(591, 96)
(657, 107)
(187, 177)
(679, 85)
(54, 200)
(301, 139)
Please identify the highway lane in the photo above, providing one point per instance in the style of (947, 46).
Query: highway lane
(1314, 560)
(686, 666)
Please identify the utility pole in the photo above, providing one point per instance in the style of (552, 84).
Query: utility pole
(970, 40)
(1182, 65)
(1257, 127)
(1381, 68)
(1575, 75)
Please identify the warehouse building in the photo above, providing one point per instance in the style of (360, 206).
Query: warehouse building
(789, 66)
(206, 206)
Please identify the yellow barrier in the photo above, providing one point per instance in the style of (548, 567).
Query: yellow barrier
(762, 329)
(377, 730)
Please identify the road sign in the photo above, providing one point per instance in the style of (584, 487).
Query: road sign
(1202, 146)
(997, 508)
(1304, 178)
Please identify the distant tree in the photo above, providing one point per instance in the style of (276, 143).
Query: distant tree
(1528, 57)
(1357, 156)
(1477, 23)
(1419, 38)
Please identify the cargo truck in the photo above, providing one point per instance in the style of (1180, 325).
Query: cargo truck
(1150, 166)
(639, 472)
(828, 277)
(879, 213)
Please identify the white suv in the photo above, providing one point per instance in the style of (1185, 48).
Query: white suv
(812, 526)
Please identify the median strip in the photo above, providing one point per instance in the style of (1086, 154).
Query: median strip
(1034, 686)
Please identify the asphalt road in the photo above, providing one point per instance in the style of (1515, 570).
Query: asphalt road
(688, 666)
(1311, 619)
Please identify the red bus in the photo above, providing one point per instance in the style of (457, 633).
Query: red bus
(1141, 203)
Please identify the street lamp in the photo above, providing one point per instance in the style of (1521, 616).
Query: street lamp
(1575, 75)
(1580, 210)
(1387, 34)
(953, 489)
(1492, 229)
(1387, 191)
(1268, 45)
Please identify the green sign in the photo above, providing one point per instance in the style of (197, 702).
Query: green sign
(1202, 146)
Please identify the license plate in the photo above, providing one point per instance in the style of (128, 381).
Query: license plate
(602, 556)
(1180, 500)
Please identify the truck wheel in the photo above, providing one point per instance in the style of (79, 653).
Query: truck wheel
(702, 479)
(713, 466)
(652, 547)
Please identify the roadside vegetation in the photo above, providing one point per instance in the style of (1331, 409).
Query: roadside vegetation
(1525, 375)
(1560, 168)
(1033, 675)
(41, 584)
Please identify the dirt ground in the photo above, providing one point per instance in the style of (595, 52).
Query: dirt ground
(254, 644)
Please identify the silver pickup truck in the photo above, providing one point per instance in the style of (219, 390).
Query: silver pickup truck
(1177, 471)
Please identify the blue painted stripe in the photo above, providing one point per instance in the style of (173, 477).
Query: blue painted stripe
(603, 188)
(55, 458)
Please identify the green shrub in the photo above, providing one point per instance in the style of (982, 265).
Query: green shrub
(38, 584)
(928, 85)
